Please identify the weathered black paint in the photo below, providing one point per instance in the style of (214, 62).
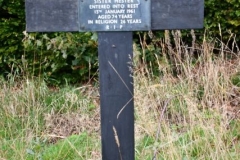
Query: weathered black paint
(116, 94)
(62, 15)
(51, 15)
(177, 14)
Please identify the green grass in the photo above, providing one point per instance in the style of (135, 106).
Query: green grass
(25, 131)
(73, 147)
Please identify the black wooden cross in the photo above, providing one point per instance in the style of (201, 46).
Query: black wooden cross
(114, 20)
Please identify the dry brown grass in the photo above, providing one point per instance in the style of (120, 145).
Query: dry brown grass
(190, 111)
(201, 103)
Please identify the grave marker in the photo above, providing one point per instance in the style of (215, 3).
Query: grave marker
(114, 20)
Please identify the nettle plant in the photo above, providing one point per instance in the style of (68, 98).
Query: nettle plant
(224, 16)
(61, 57)
(70, 56)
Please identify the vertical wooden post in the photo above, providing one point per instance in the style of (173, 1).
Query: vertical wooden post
(116, 95)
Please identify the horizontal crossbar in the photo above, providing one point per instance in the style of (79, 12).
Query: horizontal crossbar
(62, 15)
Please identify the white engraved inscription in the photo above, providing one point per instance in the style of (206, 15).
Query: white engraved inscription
(114, 14)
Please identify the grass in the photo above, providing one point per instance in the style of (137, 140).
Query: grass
(33, 117)
(73, 147)
(191, 111)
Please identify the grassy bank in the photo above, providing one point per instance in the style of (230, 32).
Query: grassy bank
(191, 111)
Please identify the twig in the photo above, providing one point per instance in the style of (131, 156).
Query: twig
(120, 78)
(117, 142)
(124, 107)
(159, 124)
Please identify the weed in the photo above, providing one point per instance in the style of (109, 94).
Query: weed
(190, 110)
